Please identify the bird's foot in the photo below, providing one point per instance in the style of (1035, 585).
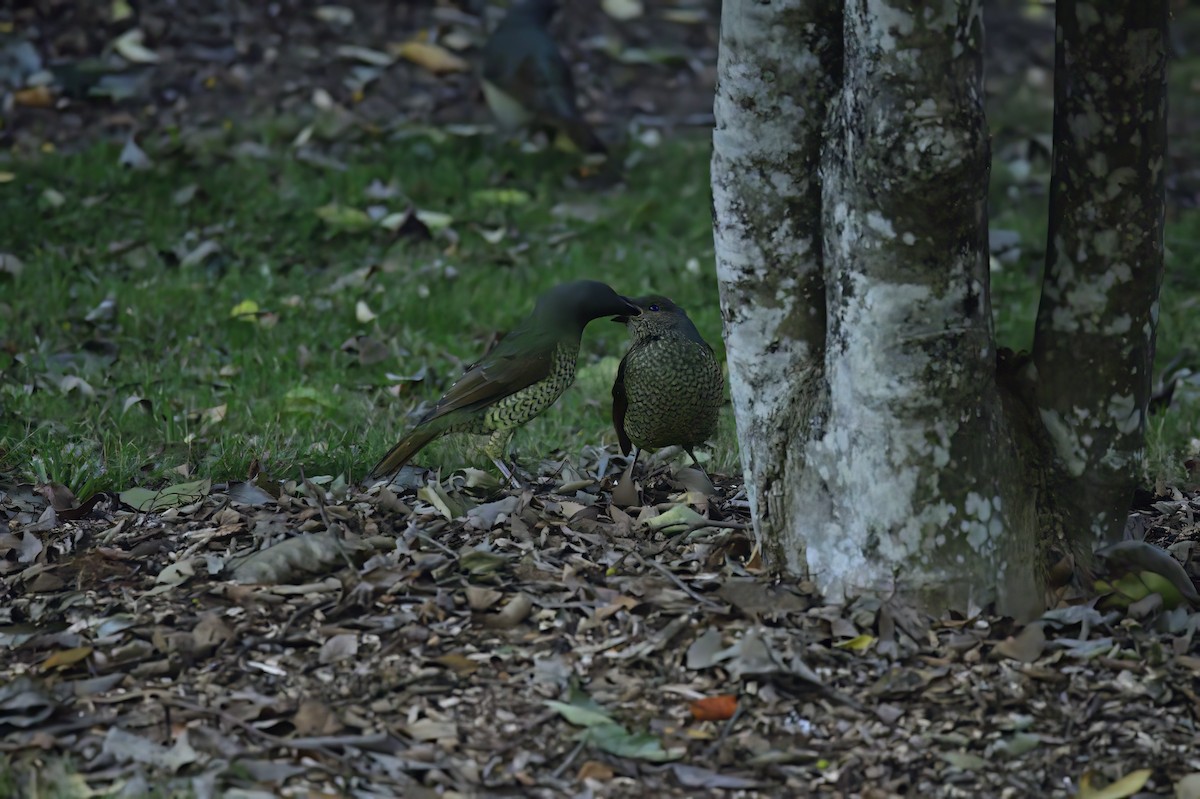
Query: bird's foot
(513, 480)
(706, 485)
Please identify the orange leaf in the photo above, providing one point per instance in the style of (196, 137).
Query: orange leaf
(714, 708)
(65, 658)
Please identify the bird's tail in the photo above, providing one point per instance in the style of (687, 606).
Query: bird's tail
(400, 454)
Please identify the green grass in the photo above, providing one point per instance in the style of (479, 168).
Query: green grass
(290, 393)
(293, 394)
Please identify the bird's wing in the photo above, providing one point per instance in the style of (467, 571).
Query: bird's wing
(551, 80)
(504, 371)
(619, 406)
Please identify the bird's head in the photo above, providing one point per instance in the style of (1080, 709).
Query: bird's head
(654, 312)
(541, 11)
(581, 301)
(659, 316)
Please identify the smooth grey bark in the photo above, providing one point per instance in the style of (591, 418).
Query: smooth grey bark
(887, 447)
(779, 64)
(1094, 344)
(917, 461)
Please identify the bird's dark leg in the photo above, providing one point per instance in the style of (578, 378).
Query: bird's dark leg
(637, 452)
(696, 461)
(508, 475)
(495, 448)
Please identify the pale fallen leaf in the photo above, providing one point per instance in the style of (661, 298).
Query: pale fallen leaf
(71, 383)
(129, 45)
(432, 57)
(9, 263)
(431, 730)
(625, 493)
(623, 10)
(339, 647)
(1026, 646)
(200, 253)
(337, 15)
(1128, 785)
(363, 312)
(1188, 787)
(354, 52)
(134, 157)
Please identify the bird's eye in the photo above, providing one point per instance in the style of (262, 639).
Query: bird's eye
(654, 307)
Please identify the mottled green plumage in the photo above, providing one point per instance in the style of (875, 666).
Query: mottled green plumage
(669, 386)
(519, 378)
(526, 80)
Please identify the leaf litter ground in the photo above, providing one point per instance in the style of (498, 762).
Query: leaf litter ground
(455, 639)
(536, 643)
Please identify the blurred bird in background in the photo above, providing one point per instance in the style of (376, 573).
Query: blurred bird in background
(526, 80)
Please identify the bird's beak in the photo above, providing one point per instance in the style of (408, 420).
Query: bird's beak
(633, 311)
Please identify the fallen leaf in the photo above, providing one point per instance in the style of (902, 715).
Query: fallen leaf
(461, 665)
(1026, 646)
(1128, 785)
(432, 730)
(134, 157)
(363, 312)
(430, 56)
(860, 643)
(501, 196)
(143, 499)
(245, 311)
(714, 708)
(623, 10)
(676, 520)
(65, 658)
(964, 760)
(1188, 787)
(594, 770)
(338, 15)
(354, 52)
(338, 648)
(343, 218)
(130, 47)
(9, 263)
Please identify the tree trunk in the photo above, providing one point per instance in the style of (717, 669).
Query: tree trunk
(1094, 344)
(884, 452)
(779, 65)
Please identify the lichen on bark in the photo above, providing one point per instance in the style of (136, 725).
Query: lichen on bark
(778, 65)
(887, 447)
(1094, 342)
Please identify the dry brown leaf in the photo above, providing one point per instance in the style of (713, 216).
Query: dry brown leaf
(1026, 646)
(594, 770)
